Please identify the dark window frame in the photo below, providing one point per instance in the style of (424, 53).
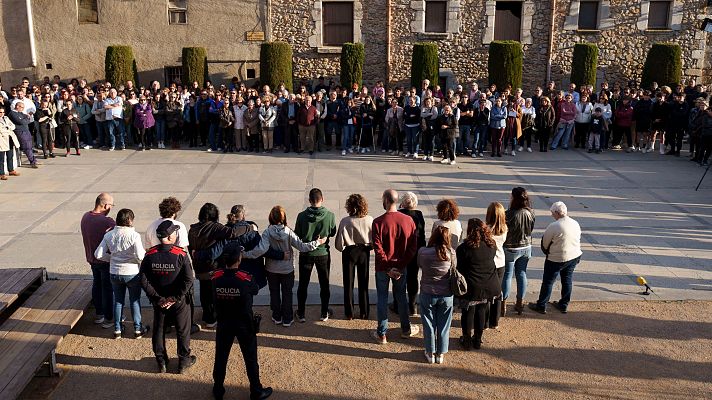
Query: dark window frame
(667, 4)
(433, 7)
(500, 8)
(345, 26)
(171, 72)
(588, 23)
(92, 10)
(179, 8)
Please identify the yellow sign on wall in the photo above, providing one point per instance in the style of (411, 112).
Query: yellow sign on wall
(255, 36)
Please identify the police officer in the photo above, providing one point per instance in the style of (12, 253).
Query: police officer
(167, 276)
(233, 291)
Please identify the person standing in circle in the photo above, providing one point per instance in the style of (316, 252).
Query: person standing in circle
(517, 246)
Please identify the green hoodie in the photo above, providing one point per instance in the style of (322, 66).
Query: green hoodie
(314, 222)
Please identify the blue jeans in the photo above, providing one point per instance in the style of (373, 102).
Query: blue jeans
(102, 294)
(120, 283)
(116, 134)
(102, 131)
(85, 134)
(382, 280)
(479, 138)
(563, 134)
(347, 136)
(436, 313)
(551, 269)
(215, 136)
(160, 130)
(463, 139)
(515, 263)
(411, 135)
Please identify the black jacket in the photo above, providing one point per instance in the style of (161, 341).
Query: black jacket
(476, 264)
(520, 224)
(545, 118)
(202, 235)
(233, 290)
(166, 273)
(417, 216)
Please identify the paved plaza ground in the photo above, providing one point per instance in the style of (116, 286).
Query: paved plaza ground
(612, 350)
(639, 212)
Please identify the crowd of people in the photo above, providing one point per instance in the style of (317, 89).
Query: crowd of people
(414, 122)
(467, 269)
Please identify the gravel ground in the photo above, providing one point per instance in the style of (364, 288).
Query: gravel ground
(621, 350)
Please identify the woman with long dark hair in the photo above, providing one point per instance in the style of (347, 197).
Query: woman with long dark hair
(435, 260)
(517, 246)
(476, 263)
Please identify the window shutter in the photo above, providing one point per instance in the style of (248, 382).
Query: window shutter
(659, 14)
(508, 20)
(588, 15)
(436, 16)
(338, 23)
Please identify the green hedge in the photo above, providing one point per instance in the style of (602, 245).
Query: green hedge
(276, 64)
(424, 64)
(352, 57)
(195, 65)
(663, 65)
(584, 64)
(504, 65)
(120, 65)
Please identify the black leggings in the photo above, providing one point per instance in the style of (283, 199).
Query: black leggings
(474, 319)
(355, 260)
(543, 135)
(71, 133)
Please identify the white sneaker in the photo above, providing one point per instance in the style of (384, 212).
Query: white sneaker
(520, 149)
(406, 155)
(99, 319)
(287, 324)
(439, 358)
(363, 151)
(277, 321)
(429, 358)
(444, 161)
(209, 150)
(343, 152)
(514, 153)
(86, 147)
(481, 154)
(384, 151)
(111, 149)
(452, 162)
(529, 149)
(351, 151)
(413, 332)
(415, 156)
(474, 155)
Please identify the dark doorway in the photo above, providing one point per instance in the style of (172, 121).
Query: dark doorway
(508, 21)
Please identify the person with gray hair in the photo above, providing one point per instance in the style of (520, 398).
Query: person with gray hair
(394, 245)
(562, 245)
(408, 205)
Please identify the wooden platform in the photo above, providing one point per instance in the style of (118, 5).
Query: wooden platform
(15, 281)
(35, 329)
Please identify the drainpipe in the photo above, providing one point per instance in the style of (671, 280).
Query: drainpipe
(268, 21)
(551, 41)
(388, 43)
(31, 31)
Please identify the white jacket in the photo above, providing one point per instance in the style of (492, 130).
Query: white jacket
(7, 134)
(583, 112)
(563, 239)
(239, 116)
(123, 249)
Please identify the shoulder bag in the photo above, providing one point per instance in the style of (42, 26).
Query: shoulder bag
(458, 284)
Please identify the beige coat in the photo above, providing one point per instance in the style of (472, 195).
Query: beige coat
(6, 134)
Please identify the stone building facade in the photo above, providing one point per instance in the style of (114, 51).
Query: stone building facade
(232, 31)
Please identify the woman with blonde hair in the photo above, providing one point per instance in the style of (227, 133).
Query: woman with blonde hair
(353, 240)
(497, 222)
(280, 273)
(436, 298)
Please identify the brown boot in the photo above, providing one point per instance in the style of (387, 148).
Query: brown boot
(519, 307)
(14, 173)
(504, 308)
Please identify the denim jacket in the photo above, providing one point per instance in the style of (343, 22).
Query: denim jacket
(498, 117)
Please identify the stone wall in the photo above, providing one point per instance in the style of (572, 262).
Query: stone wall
(624, 45)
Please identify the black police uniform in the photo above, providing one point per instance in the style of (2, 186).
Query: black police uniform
(233, 291)
(167, 275)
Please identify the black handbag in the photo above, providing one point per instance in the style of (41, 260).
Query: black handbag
(458, 284)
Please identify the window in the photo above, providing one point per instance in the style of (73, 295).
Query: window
(88, 11)
(588, 15)
(659, 14)
(435, 16)
(177, 12)
(338, 23)
(172, 74)
(508, 20)
(251, 73)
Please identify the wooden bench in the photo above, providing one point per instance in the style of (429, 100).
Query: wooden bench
(29, 337)
(15, 282)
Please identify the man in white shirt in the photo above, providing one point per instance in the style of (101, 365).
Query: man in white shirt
(30, 108)
(562, 245)
(114, 115)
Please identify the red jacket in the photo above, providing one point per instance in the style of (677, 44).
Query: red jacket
(624, 116)
(307, 116)
(395, 241)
